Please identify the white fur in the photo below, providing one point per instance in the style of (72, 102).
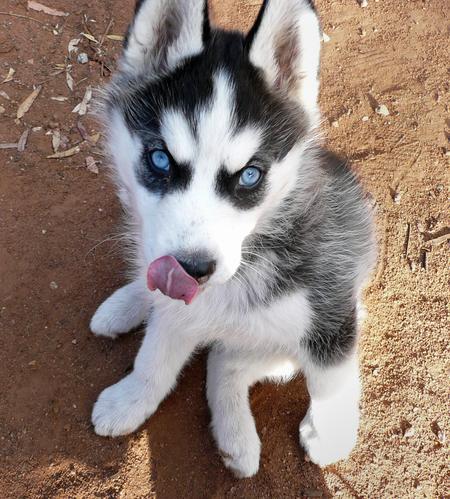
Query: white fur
(242, 147)
(124, 310)
(254, 346)
(178, 136)
(173, 334)
(284, 20)
(330, 428)
(126, 151)
(143, 54)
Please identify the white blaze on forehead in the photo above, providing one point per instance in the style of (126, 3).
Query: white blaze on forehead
(178, 136)
(216, 142)
(215, 124)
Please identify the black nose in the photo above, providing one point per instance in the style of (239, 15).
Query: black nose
(200, 269)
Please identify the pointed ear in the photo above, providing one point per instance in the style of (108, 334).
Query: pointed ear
(163, 33)
(285, 44)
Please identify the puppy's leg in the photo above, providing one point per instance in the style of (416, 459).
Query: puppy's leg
(123, 407)
(124, 310)
(329, 430)
(229, 377)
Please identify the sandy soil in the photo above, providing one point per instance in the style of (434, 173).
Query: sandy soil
(55, 270)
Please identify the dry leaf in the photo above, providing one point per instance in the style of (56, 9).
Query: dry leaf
(65, 154)
(69, 79)
(8, 146)
(118, 38)
(47, 10)
(59, 98)
(28, 102)
(82, 129)
(81, 108)
(91, 165)
(93, 139)
(56, 140)
(73, 45)
(11, 73)
(56, 73)
(4, 95)
(23, 140)
(90, 37)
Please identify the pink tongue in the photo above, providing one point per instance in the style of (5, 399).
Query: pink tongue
(167, 275)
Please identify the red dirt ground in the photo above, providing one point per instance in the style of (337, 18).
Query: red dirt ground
(54, 273)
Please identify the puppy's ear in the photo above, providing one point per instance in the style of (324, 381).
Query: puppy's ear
(285, 44)
(164, 33)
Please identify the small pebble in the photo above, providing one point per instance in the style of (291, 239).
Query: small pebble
(382, 110)
(82, 58)
(53, 285)
(325, 37)
(365, 118)
(397, 197)
(441, 437)
(410, 432)
(335, 124)
(363, 3)
(2, 109)
(74, 342)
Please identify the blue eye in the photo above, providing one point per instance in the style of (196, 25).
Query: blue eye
(250, 176)
(160, 161)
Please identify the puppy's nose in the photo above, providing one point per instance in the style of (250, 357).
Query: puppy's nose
(198, 268)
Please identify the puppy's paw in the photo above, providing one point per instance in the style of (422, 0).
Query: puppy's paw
(325, 449)
(103, 323)
(122, 408)
(124, 310)
(240, 451)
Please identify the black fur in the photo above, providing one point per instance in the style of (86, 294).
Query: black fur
(206, 31)
(254, 29)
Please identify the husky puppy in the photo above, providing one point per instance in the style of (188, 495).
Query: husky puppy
(249, 237)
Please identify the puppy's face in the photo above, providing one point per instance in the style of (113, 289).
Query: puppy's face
(205, 145)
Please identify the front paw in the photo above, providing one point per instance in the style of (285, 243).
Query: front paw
(240, 449)
(124, 310)
(104, 322)
(122, 408)
(329, 446)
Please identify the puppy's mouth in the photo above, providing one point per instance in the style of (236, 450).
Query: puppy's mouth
(167, 275)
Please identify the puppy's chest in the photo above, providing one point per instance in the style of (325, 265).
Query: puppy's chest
(280, 324)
